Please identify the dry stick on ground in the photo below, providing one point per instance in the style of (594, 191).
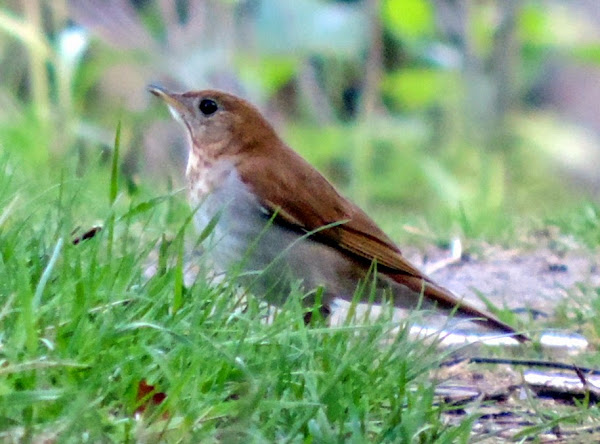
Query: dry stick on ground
(524, 362)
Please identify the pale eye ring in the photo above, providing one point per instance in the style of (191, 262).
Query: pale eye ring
(208, 107)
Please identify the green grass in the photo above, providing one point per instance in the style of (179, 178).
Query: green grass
(83, 325)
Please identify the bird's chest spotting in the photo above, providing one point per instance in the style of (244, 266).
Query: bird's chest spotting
(200, 176)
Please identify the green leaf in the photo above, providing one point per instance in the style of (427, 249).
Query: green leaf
(418, 87)
(409, 18)
(587, 53)
(268, 73)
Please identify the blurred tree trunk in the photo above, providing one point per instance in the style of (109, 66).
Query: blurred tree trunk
(489, 73)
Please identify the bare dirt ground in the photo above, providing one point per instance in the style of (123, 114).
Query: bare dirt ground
(510, 406)
(536, 279)
(508, 409)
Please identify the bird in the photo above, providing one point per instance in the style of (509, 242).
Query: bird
(279, 222)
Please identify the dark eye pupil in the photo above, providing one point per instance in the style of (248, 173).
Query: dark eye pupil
(208, 107)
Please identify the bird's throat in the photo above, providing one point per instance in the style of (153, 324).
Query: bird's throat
(206, 174)
(198, 174)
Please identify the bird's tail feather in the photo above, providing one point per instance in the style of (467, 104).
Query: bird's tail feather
(444, 299)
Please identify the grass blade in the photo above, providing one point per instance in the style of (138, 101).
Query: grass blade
(114, 188)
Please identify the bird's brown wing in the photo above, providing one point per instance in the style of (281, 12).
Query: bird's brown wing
(316, 204)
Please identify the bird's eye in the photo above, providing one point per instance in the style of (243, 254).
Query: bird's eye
(208, 107)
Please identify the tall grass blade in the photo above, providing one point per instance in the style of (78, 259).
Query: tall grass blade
(114, 188)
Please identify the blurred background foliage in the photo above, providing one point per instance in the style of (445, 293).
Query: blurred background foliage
(451, 116)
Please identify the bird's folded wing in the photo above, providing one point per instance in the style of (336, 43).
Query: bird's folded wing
(315, 205)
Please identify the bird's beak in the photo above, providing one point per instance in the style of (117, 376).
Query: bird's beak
(175, 102)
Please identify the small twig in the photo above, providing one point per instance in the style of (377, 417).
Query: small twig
(586, 387)
(526, 362)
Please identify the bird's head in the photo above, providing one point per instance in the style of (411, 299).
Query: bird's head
(217, 123)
